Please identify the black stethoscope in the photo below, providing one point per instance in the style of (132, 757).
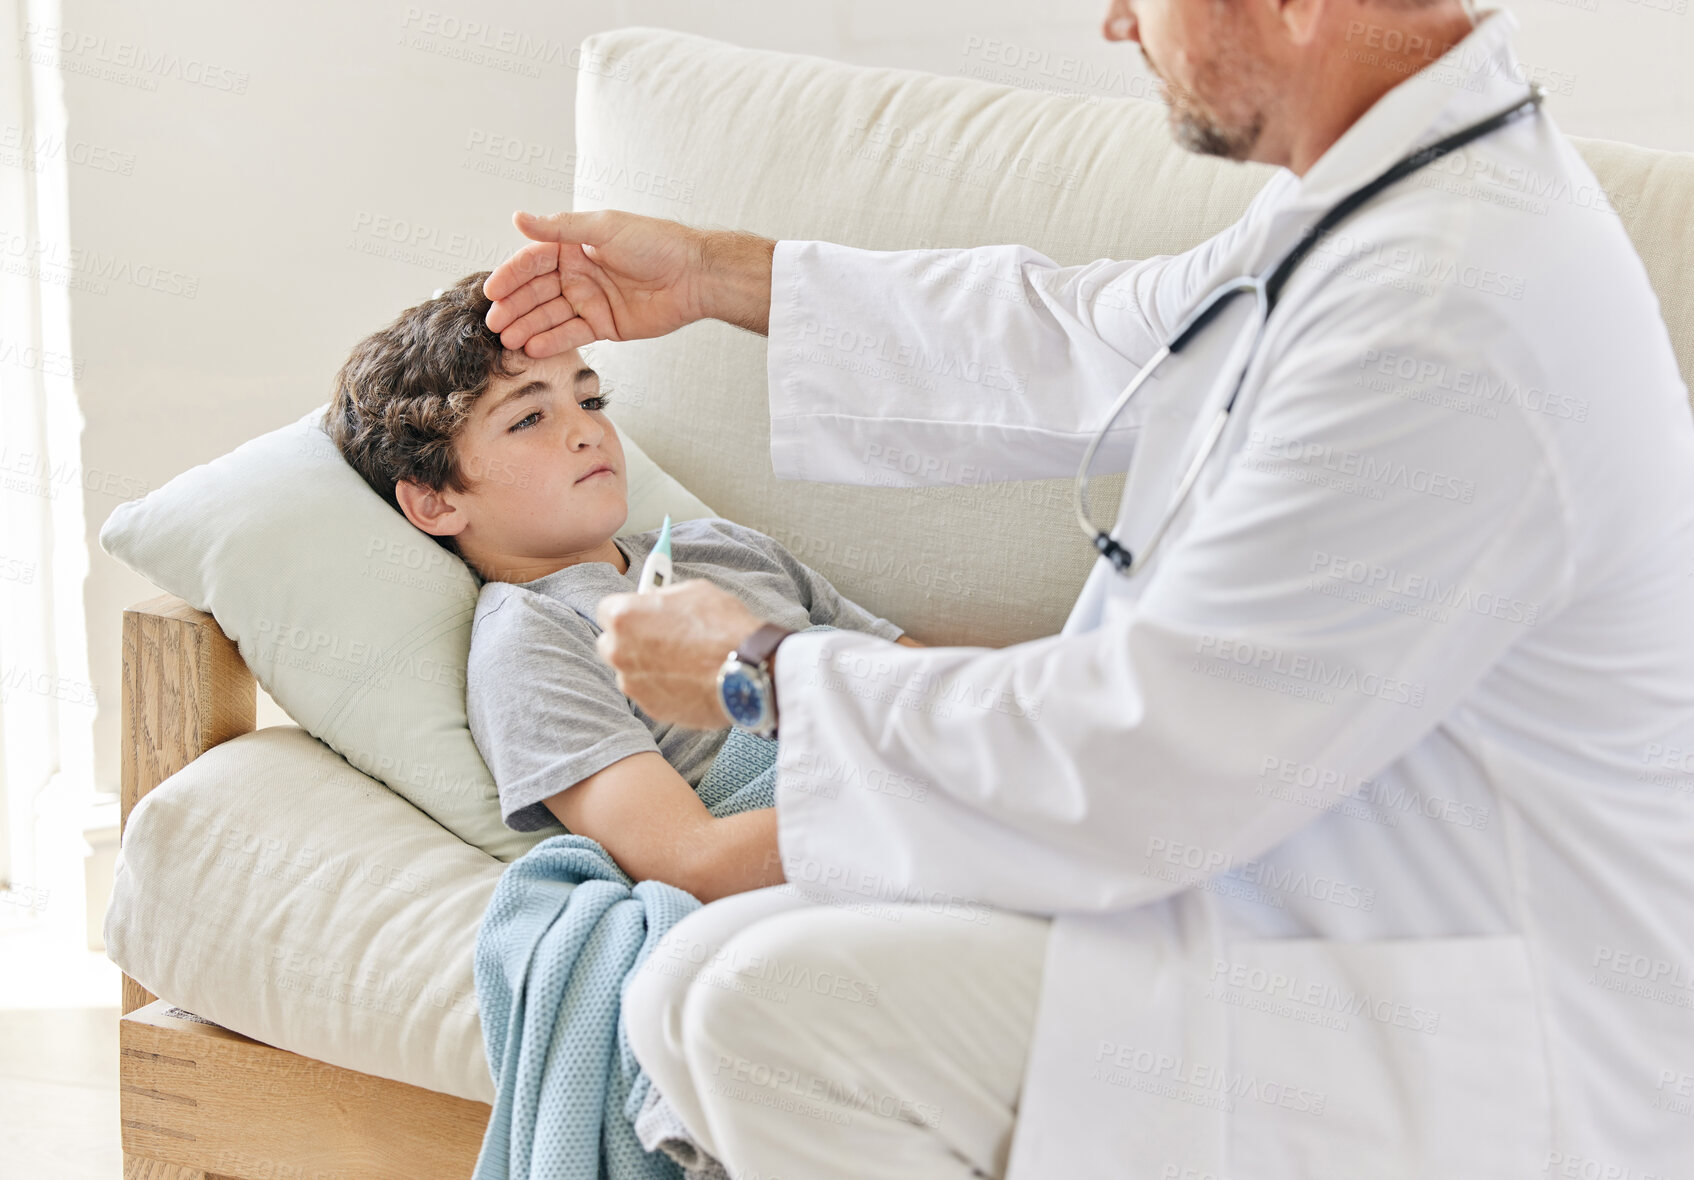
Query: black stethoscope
(1265, 288)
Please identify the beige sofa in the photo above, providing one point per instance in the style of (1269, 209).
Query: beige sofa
(355, 1047)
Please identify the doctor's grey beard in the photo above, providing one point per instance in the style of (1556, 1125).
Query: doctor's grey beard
(1194, 123)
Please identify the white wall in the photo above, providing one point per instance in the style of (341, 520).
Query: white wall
(238, 174)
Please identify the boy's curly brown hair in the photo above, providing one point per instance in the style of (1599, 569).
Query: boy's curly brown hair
(406, 391)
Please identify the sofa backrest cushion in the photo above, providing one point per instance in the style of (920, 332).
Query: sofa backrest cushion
(674, 125)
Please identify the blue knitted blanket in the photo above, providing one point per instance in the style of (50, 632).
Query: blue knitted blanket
(562, 935)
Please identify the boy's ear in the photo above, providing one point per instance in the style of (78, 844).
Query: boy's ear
(428, 509)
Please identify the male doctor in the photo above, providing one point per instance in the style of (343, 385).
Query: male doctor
(1352, 835)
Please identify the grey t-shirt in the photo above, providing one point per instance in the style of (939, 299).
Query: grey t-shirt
(546, 711)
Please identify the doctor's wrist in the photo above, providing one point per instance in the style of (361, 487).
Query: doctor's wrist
(735, 278)
(758, 650)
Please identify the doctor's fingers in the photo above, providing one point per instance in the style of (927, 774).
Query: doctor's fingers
(629, 632)
(684, 627)
(553, 324)
(572, 334)
(532, 308)
(659, 664)
(527, 264)
(554, 238)
(505, 314)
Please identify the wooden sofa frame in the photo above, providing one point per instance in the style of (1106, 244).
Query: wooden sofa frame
(199, 1102)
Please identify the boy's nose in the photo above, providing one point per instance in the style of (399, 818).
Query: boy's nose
(585, 428)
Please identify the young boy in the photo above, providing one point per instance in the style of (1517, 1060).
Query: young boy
(512, 464)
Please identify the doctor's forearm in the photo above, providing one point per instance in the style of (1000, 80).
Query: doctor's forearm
(735, 279)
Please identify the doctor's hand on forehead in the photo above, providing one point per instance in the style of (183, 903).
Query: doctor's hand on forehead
(610, 275)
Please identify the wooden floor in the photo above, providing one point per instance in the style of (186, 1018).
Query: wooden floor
(76, 1084)
(59, 1094)
(58, 1059)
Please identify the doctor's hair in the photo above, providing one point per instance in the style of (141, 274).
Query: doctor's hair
(406, 392)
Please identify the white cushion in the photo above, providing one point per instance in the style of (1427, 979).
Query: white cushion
(356, 622)
(273, 889)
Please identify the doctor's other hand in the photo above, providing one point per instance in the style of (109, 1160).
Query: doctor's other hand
(667, 646)
(609, 275)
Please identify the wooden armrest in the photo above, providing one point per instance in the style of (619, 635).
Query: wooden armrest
(218, 1105)
(185, 690)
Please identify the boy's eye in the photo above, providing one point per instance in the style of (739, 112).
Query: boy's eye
(598, 402)
(525, 422)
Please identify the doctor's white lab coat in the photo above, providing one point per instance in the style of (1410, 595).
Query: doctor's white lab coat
(1367, 810)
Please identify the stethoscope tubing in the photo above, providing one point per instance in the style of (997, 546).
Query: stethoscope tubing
(1266, 288)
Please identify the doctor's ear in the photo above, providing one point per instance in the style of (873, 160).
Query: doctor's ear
(1119, 24)
(428, 509)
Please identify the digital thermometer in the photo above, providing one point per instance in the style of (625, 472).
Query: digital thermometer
(656, 570)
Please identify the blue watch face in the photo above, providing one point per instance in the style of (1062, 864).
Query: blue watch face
(743, 698)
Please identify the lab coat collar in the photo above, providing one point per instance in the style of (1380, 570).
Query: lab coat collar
(1473, 79)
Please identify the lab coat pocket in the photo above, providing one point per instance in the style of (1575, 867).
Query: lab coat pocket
(1393, 1059)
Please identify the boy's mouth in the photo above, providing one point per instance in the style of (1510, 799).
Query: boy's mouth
(597, 469)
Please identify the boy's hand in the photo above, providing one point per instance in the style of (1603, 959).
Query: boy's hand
(600, 275)
(667, 647)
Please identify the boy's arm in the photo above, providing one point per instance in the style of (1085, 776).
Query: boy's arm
(908, 641)
(647, 816)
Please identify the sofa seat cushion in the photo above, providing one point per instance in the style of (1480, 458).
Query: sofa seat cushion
(273, 889)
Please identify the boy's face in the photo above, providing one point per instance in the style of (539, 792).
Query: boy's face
(545, 468)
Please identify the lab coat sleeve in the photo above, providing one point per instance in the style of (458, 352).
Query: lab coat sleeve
(914, 368)
(1042, 776)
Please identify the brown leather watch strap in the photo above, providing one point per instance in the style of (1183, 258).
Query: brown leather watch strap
(757, 649)
(758, 646)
